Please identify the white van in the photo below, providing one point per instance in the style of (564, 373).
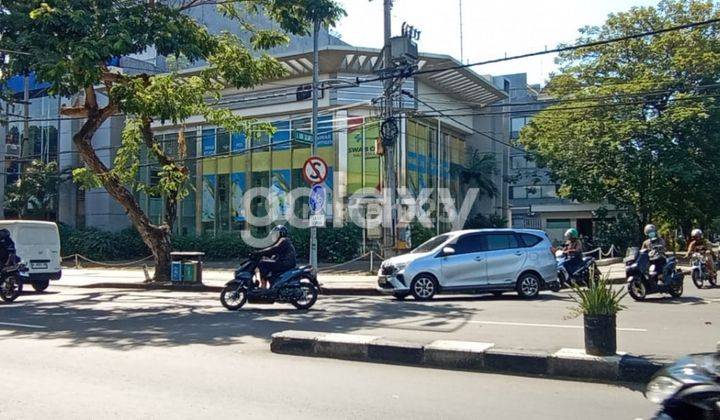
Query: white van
(38, 246)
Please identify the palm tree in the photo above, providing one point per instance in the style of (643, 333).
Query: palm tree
(478, 172)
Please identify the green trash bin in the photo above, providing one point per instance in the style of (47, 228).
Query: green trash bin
(190, 271)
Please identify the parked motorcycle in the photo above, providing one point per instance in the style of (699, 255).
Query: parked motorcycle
(688, 389)
(298, 286)
(700, 273)
(581, 275)
(11, 281)
(651, 271)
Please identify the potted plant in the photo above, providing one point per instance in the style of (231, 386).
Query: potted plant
(599, 304)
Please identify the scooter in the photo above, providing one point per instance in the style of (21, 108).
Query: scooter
(700, 274)
(581, 275)
(11, 281)
(298, 286)
(688, 389)
(642, 271)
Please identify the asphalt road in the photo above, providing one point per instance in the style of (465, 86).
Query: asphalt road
(88, 353)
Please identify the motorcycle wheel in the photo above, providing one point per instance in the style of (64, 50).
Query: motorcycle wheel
(233, 297)
(10, 289)
(309, 295)
(637, 290)
(596, 276)
(697, 279)
(677, 290)
(713, 281)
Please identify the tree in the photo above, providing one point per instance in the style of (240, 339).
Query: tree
(635, 123)
(35, 192)
(478, 172)
(70, 43)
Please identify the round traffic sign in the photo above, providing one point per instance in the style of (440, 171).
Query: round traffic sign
(315, 170)
(317, 199)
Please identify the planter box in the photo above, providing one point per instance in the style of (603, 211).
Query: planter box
(600, 335)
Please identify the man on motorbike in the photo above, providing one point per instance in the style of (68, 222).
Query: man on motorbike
(653, 241)
(573, 250)
(7, 248)
(702, 246)
(277, 258)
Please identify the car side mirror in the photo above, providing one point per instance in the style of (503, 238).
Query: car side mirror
(448, 250)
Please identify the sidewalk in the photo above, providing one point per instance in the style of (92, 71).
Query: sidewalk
(353, 280)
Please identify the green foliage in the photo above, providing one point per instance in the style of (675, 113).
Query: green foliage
(599, 298)
(34, 193)
(419, 233)
(337, 245)
(623, 231)
(478, 172)
(480, 221)
(638, 126)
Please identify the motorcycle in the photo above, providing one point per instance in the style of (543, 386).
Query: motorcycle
(298, 286)
(651, 271)
(700, 274)
(688, 389)
(11, 281)
(582, 274)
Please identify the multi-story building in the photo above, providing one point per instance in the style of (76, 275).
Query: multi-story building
(533, 193)
(431, 148)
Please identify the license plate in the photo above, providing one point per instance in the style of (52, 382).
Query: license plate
(38, 265)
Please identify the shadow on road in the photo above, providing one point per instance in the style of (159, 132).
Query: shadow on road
(123, 321)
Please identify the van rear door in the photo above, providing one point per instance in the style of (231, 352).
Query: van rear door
(39, 247)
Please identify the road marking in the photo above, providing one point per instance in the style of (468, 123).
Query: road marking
(523, 324)
(12, 324)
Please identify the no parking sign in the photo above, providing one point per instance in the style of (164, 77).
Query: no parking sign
(315, 170)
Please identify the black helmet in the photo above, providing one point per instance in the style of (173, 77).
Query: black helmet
(281, 230)
(4, 233)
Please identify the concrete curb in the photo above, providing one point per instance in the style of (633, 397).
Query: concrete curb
(608, 261)
(465, 355)
(335, 291)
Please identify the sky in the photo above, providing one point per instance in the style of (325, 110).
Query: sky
(491, 29)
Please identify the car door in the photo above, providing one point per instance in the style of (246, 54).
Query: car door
(504, 258)
(466, 266)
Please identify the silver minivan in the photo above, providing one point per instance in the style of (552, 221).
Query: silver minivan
(473, 261)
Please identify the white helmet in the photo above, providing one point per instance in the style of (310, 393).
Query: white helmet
(649, 228)
(696, 232)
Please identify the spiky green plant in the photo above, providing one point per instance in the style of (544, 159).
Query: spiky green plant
(599, 298)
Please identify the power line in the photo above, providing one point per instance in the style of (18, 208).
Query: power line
(575, 47)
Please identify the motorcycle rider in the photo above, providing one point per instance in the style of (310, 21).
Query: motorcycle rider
(7, 248)
(278, 257)
(653, 241)
(656, 244)
(702, 245)
(573, 250)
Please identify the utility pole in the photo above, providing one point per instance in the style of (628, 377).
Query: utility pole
(390, 184)
(316, 76)
(3, 149)
(462, 55)
(25, 143)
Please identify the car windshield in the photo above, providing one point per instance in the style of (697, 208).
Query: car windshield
(431, 244)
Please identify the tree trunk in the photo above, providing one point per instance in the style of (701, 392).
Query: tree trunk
(157, 238)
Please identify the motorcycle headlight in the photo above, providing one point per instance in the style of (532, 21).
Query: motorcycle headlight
(661, 388)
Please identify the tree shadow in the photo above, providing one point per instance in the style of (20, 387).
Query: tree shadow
(117, 320)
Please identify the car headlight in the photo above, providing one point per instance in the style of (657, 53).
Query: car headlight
(661, 388)
(400, 267)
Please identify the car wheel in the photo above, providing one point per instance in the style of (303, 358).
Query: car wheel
(423, 287)
(528, 286)
(41, 285)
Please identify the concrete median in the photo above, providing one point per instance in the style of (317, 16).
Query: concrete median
(467, 355)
